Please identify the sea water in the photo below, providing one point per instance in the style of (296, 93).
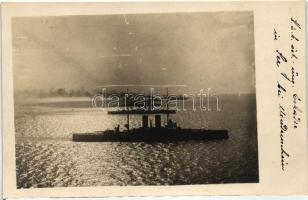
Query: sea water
(46, 156)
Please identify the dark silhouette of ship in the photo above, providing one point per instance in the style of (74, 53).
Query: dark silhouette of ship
(169, 132)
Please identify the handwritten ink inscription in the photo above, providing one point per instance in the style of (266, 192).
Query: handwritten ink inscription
(286, 64)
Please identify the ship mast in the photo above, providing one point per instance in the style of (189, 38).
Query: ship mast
(127, 108)
(167, 106)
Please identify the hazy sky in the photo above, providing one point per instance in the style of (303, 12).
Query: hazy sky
(201, 50)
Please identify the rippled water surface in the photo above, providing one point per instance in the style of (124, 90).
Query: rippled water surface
(46, 156)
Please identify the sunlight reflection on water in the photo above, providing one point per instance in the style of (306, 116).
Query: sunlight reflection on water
(46, 157)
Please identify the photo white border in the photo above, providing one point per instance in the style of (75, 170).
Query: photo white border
(266, 16)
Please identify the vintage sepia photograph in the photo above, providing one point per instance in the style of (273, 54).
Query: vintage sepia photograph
(135, 99)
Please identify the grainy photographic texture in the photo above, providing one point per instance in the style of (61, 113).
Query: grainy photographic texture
(135, 99)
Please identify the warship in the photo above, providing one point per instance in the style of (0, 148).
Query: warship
(169, 132)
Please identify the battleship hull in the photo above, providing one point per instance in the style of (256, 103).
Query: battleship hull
(150, 135)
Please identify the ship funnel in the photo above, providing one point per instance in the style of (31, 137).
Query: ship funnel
(145, 121)
(157, 121)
